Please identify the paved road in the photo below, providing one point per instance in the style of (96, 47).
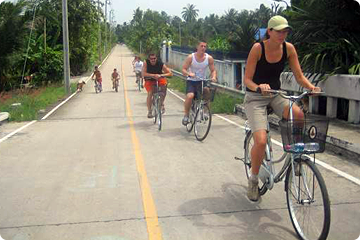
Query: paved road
(98, 169)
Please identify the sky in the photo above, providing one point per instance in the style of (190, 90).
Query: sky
(124, 9)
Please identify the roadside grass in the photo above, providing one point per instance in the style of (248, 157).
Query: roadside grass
(32, 102)
(223, 102)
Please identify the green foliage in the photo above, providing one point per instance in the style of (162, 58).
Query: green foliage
(147, 31)
(33, 102)
(219, 43)
(45, 60)
(11, 40)
(325, 34)
(223, 103)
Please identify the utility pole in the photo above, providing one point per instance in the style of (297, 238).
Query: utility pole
(99, 38)
(66, 46)
(180, 33)
(106, 32)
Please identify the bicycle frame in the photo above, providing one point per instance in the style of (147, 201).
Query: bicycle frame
(269, 177)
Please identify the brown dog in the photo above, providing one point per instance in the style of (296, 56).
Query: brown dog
(80, 85)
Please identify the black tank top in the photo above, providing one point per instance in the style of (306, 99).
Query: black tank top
(154, 69)
(269, 73)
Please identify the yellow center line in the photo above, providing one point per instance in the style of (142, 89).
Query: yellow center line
(153, 227)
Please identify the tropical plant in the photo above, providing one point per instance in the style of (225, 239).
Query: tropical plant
(190, 13)
(325, 35)
(12, 28)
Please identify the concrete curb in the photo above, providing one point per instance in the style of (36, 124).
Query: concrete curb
(335, 145)
(4, 116)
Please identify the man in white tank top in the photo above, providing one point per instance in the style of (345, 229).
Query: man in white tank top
(194, 67)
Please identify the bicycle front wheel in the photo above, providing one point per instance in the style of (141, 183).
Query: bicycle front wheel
(154, 109)
(307, 200)
(159, 117)
(190, 124)
(249, 143)
(202, 122)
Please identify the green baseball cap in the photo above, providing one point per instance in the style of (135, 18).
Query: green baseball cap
(278, 23)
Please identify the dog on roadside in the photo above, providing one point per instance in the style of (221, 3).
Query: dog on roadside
(80, 85)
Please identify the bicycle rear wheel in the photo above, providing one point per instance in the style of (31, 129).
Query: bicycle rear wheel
(248, 144)
(202, 122)
(308, 201)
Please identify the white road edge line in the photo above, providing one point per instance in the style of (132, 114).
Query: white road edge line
(17, 130)
(324, 165)
(52, 111)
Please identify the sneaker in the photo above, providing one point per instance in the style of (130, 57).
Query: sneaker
(185, 120)
(253, 190)
(150, 115)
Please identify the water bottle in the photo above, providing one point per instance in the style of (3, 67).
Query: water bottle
(297, 147)
(312, 147)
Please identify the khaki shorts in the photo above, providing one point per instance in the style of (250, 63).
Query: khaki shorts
(255, 108)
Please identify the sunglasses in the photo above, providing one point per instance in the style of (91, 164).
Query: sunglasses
(152, 58)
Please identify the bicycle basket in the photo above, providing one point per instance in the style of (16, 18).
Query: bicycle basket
(304, 136)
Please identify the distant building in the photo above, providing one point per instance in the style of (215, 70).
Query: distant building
(260, 34)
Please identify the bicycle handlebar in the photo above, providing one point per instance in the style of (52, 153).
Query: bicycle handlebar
(293, 98)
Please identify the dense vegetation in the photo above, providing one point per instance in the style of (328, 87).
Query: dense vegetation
(326, 32)
(31, 33)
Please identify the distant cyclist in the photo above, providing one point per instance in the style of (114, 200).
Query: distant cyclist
(157, 70)
(115, 77)
(194, 68)
(138, 65)
(97, 76)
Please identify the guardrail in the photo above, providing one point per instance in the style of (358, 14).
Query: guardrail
(230, 90)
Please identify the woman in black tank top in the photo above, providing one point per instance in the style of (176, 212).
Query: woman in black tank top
(264, 65)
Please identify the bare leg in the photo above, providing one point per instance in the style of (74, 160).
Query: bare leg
(258, 151)
(188, 101)
(149, 100)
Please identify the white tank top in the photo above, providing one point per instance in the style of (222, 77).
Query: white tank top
(199, 68)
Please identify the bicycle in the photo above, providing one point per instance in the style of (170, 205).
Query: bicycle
(98, 87)
(200, 115)
(305, 188)
(116, 84)
(139, 80)
(156, 103)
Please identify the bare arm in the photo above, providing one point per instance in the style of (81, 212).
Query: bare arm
(186, 66)
(213, 72)
(166, 72)
(296, 69)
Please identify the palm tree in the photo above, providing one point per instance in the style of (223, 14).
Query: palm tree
(190, 13)
(229, 19)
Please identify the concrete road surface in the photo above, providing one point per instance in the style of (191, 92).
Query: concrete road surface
(98, 169)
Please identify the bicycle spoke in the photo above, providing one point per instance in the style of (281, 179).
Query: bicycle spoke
(202, 122)
(308, 202)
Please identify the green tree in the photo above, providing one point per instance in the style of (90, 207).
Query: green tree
(190, 13)
(325, 34)
(12, 29)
